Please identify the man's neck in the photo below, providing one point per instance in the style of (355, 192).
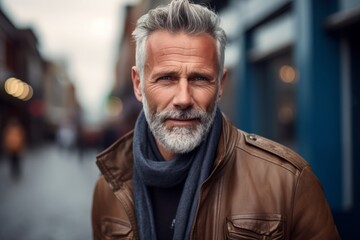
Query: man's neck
(165, 153)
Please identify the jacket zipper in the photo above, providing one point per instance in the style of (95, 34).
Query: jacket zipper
(201, 193)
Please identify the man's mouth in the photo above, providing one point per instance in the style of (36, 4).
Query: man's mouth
(181, 121)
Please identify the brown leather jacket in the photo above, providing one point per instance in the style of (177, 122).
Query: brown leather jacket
(258, 189)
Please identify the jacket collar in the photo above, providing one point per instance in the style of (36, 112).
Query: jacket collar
(116, 162)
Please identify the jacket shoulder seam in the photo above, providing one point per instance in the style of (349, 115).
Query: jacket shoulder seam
(275, 148)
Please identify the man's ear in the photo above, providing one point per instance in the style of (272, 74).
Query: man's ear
(135, 75)
(221, 85)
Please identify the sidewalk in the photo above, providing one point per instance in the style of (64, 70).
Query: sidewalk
(52, 199)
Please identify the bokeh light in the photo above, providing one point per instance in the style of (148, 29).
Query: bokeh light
(19, 89)
(288, 74)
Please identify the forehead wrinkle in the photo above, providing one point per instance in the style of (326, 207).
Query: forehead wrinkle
(188, 54)
(179, 58)
(186, 61)
(169, 51)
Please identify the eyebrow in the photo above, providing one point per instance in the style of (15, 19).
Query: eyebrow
(190, 74)
(201, 74)
(165, 73)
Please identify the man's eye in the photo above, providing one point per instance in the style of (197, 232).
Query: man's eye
(200, 78)
(164, 78)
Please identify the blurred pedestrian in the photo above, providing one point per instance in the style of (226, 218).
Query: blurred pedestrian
(14, 140)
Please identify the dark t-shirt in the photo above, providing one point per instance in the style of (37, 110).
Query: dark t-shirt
(165, 202)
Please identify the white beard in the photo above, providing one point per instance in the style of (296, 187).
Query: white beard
(178, 139)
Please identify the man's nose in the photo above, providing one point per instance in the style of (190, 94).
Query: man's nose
(183, 97)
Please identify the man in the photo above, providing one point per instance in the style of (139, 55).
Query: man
(186, 172)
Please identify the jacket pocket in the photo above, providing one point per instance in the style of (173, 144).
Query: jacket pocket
(255, 226)
(115, 228)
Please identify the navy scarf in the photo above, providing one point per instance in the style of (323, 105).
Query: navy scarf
(150, 169)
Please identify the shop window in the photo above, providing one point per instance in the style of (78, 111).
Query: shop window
(276, 80)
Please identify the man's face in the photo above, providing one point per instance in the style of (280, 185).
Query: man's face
(180, 88)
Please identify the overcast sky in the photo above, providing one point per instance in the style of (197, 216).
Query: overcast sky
(85, 33)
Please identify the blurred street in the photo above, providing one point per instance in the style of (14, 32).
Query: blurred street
(52, 197)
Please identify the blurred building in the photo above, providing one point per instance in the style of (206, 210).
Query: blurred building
(21, 78)
(61, 103)
(36, 91)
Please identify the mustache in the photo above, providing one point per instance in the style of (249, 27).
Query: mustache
(182, 114)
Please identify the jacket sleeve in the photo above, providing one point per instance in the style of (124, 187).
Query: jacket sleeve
(312, 218)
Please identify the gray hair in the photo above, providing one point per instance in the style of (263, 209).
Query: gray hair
(178, 16)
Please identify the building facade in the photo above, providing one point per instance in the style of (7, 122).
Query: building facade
(35, 91)
(21, 78)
